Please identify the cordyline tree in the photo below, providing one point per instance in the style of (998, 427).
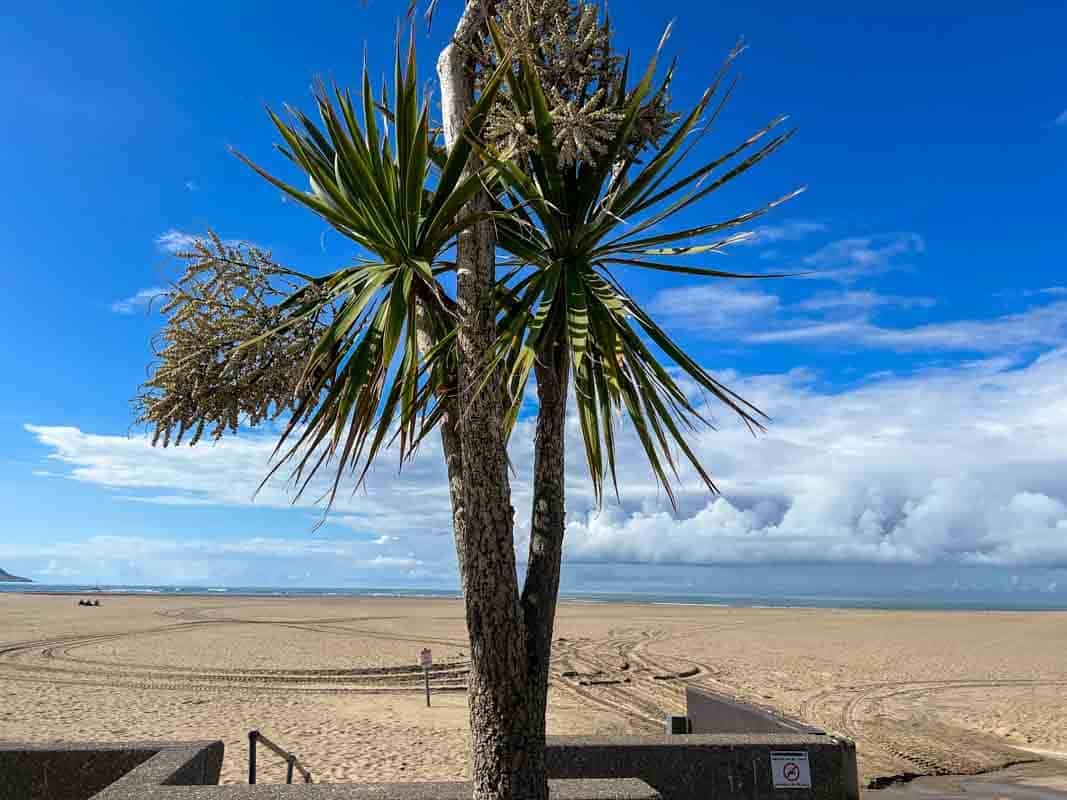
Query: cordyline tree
(552, 172)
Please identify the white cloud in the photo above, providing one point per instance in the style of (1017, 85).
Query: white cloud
(175, 241)
(848, 259)
(949, 466)
(167, 500)
(955, 466)
(1011, 294)
(53, 570)
(306, 559)
(959, 465)
(710, 307)
(789, 231)
(1039, 327)
(386, 562)
(843, 319)
(142, 299)
(227, 473)
(860, 301)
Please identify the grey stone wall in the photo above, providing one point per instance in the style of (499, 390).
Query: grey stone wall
(36, 773)
(698, 767)
(83, 771)
(559, 790)
(692, 767)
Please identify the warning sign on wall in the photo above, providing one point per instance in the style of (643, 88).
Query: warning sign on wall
(790, 769)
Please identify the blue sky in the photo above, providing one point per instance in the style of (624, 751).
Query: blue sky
(916, 377)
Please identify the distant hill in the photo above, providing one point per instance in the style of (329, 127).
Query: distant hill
(4, 576)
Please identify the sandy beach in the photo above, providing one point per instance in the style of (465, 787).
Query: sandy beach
(335, 679)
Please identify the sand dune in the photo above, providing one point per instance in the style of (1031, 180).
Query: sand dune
(335, 680)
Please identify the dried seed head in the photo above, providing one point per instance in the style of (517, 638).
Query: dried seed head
(570, 47)
(203, 380)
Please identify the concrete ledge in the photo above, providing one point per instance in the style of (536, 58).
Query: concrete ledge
(688, 767)
(699, 766)
(63, 772)
(558, 790)
(190, 771)
(82, 771)
(183, 765)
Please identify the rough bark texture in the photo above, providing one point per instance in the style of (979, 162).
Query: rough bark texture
(547, 525)
(453, 452)
(507, 735)
(452, 448)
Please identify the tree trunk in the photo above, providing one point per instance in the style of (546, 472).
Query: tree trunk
(451, 446)
(547, 524)
(507, 739)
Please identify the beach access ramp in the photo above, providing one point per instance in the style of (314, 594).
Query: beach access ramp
(711, 712)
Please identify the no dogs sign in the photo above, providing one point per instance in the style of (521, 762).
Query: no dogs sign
(790, 769)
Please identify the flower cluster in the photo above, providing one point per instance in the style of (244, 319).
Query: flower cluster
(569, 45)
(203, 378)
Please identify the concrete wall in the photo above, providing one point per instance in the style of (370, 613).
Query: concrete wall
(698, 767)
(82, 771)
(190, 771)
(559, 790)
(692, 767)
(75, 774)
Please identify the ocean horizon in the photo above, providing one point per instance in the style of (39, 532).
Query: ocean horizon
(956, 600)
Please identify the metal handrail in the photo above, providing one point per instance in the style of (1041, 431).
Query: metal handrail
(292, 763)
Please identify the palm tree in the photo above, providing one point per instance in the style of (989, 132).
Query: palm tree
(569, 217)
(363, 384)
(570, 224)
(378, 352)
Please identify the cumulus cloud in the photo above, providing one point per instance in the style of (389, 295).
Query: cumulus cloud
(227, 473)
(955, 466)
(950, 466)
(138, 301)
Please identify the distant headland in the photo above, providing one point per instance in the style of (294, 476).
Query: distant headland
(4, 576)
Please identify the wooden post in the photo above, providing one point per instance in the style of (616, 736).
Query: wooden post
(426, 660)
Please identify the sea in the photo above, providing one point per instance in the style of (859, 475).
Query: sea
(965, 601)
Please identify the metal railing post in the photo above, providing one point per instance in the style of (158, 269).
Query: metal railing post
(252, 737)
(292, 763)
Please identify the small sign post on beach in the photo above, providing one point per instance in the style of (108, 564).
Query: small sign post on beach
(426, 660)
